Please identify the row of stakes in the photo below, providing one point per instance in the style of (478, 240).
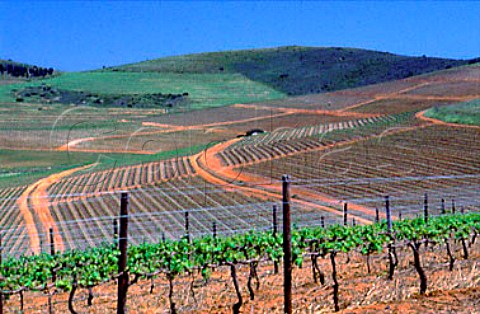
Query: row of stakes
(120, 231)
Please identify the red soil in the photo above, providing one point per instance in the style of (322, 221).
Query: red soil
(39, 205)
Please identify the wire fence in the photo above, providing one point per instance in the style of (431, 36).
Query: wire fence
(81, 223)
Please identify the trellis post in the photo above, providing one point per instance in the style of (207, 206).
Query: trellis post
(275, 230)
(122, 261)
(187, 226)
(287, 246)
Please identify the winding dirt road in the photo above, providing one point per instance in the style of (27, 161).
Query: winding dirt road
(209, 166)
(34, 202)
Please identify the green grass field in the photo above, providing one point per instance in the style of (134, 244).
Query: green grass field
(463, 113)
(204, 89)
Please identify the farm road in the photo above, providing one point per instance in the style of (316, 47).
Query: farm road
(34, 201)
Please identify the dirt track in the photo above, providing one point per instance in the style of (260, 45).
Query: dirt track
(38, 197)
(210, 168)
(421, 115)
(168, 128)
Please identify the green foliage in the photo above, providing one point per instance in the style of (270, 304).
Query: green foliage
(463, 113)
(174, 257)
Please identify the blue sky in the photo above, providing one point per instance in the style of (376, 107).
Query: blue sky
(86, 35)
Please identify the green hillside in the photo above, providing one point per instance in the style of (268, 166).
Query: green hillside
(205, 80)
(203, 90)
(299, 70)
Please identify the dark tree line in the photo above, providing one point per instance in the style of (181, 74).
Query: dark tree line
(17, 70)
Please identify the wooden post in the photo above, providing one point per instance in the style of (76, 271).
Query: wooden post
(275, 230)
(115, 231)
(52, 242)
(345, 214)
(122, 261)
(425, 208)
(354, 223)
(187, 225)
(388, 213)
(453, 206)
(322, 222)
(163, 237)
(377, 215)
(287, 246)
(52, 252)
(214, 227)
(462, 210)
(391, 249)
(443, 211)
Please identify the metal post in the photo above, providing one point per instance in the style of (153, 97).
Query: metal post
(443, 211)
(287, 246)
(345, 214)
(377, 216)
(122, 261)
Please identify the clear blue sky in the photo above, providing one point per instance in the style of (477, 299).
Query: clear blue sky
(86, 35)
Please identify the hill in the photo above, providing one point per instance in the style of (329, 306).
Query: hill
(197, 81)
(295, 70)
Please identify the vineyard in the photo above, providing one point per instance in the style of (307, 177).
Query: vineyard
(383, 203)
(204, 260)
(402, 165)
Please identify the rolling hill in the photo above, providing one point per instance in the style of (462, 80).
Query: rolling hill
(296, 70)
(198, 81)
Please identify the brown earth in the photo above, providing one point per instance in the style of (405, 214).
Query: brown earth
(360, 292)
